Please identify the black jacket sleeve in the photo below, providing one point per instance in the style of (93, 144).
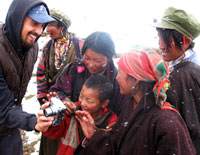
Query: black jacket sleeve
(11, 115)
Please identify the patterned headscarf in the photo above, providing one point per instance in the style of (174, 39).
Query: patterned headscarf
(145, 64)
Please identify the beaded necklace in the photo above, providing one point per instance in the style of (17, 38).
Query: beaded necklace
(61, 48)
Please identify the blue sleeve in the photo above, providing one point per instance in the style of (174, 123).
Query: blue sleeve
(11, 115)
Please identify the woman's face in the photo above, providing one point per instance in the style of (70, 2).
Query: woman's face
(54, 31)
(124, 82)
(170, 53)
(96, 63)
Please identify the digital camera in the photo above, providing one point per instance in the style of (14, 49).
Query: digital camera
(56, 109)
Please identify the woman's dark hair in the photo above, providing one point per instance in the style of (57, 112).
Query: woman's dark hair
(146, 87)
(60, 24)
(178, 38)
(100, 42)
(102, 84)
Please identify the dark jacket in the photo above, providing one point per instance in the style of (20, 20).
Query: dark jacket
(16, 66)
(184, 94)
(146, 130)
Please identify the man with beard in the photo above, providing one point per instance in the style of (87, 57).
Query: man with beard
(25, 22)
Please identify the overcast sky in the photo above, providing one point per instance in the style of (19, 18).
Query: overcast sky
(128, 21)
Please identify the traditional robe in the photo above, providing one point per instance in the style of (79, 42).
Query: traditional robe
(184, 94)
(145, 130)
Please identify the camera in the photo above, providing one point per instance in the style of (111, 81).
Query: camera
(57, 109)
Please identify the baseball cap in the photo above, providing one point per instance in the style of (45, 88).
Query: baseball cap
(39, 14)
(181, 21)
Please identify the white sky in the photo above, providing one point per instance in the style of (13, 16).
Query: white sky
(128, 21)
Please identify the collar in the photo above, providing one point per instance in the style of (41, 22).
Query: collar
(189, 55)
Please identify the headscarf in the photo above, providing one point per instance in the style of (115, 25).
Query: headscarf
(145, 64)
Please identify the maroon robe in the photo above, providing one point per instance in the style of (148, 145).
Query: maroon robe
(146, 130)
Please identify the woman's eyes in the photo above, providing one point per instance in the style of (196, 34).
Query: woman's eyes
(96, 61)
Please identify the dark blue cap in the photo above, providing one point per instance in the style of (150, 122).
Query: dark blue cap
(39, 14)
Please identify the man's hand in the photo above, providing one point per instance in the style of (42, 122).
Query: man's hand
(43, 122)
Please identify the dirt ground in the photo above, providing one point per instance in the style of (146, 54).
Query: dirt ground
(28, 148)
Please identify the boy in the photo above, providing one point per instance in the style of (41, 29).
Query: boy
(94, 98)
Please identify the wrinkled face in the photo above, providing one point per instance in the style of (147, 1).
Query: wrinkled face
(170, 53)
(31, 30)
(124, 82)
(54, 31)
(90, 102)
(96, 63)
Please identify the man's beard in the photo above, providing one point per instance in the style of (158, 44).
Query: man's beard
(28, 45)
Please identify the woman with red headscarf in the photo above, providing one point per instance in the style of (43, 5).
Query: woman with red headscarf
(148, 125)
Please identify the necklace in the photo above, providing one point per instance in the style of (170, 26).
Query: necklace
(62, 39)
(61, 48)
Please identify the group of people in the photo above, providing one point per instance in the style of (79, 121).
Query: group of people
(144, 106)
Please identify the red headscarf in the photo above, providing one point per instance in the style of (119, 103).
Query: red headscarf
(145, 64)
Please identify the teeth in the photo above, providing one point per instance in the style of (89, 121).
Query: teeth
(33, 36)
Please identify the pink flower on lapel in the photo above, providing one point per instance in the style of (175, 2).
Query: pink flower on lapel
(80, 69)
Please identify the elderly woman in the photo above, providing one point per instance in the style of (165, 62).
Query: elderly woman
(148, 125)
(62, 49)
(97, 51)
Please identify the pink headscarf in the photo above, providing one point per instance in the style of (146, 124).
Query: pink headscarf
(145, 64)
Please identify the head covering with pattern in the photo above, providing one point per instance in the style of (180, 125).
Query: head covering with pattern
(145, 64)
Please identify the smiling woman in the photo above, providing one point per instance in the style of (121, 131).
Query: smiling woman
(98, 50)
(96, 63)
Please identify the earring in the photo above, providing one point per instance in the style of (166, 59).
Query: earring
(61, 33)
(132, 88)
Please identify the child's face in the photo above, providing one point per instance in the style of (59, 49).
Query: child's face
(90, 102)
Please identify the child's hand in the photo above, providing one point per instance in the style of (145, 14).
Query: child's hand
(70, 106)
(87, 123)
(51, 94)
